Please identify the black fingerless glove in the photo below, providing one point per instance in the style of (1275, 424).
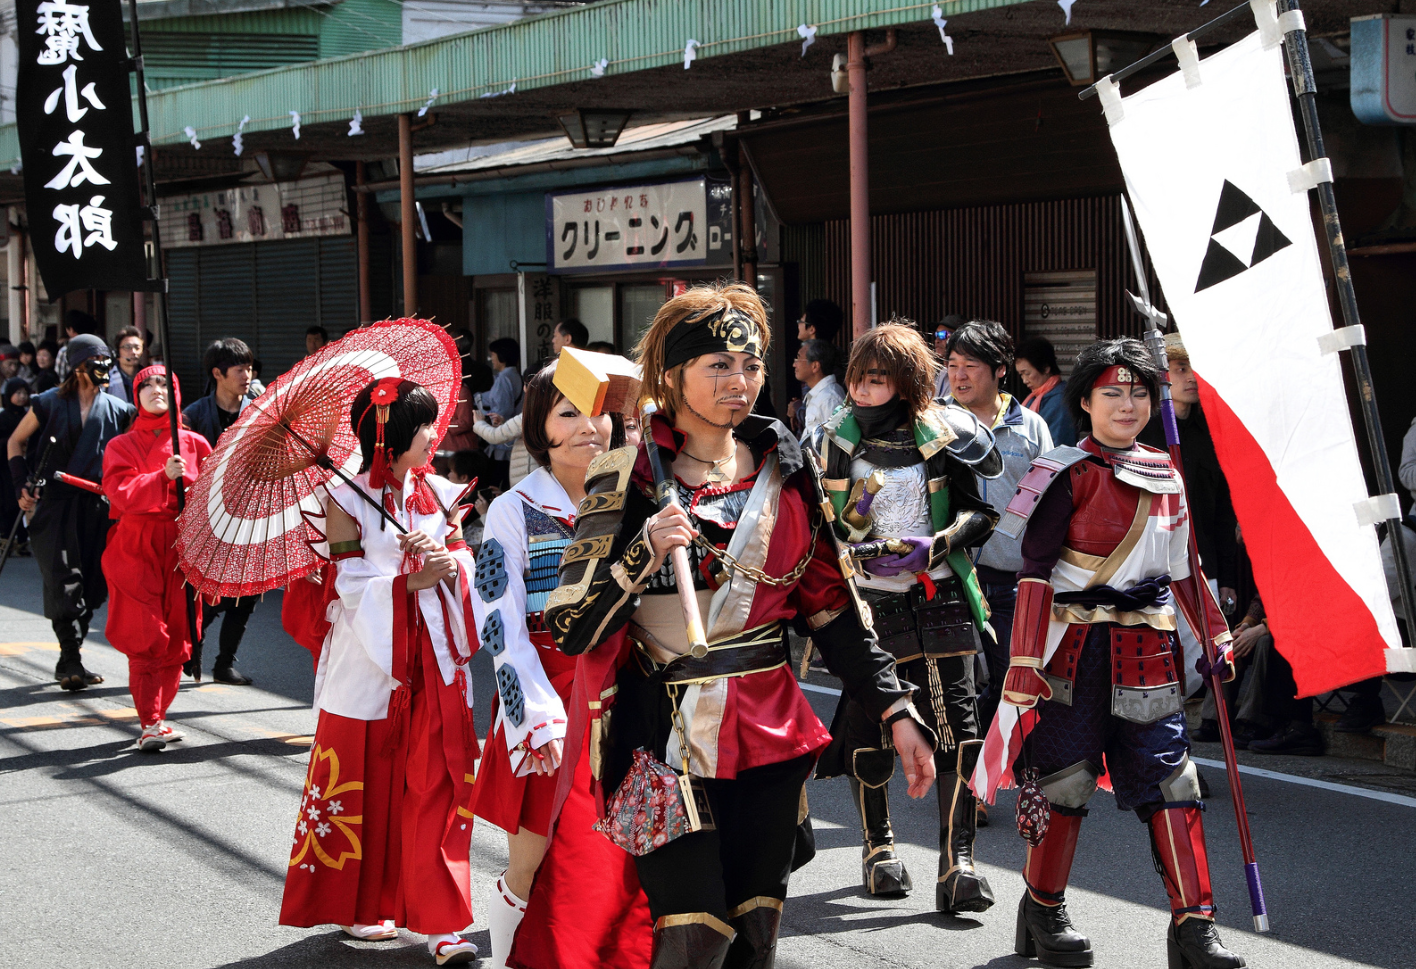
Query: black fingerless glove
(19, 474)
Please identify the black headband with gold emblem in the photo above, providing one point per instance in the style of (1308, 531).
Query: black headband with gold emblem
(727, 330)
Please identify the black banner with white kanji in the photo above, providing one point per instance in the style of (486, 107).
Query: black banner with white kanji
(75, 120)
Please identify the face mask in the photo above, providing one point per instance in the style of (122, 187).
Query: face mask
(98, 368)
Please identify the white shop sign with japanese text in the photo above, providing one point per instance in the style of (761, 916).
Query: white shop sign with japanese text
(257, 213)
(629, 227)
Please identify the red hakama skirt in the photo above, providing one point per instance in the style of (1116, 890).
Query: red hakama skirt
(385, 824)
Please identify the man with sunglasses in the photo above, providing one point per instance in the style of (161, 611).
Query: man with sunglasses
(70, 525)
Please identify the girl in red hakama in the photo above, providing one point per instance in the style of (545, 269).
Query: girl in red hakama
(385, 824)
(527, 531)
(147, 609)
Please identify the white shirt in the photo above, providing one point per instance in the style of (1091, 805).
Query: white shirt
(819, 403)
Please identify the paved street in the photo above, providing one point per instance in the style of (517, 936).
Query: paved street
(119, 859)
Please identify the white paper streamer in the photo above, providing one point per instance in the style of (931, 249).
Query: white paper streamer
(808, 36)
(191, 134)
(497, 94)
(356, 124)
(597, 69)
(237, 140)
(1066, 6)
(689, 53)
(432, 96)
(295, 123)
(939, 21)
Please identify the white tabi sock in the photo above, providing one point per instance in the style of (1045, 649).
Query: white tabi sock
(503, 916)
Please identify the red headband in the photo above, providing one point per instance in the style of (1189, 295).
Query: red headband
(1116, 376)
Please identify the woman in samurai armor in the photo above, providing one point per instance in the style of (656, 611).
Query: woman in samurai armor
(147, 607)
(385, 823)
(1096, 660)
(726, 725)
(899, 471)
(527, 530)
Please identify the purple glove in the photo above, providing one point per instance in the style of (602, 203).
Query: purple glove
(915, 560)
(1223, 665)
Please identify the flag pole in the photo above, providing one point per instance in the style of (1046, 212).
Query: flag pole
(1155, 342)
(164, 330)
(1300, 70)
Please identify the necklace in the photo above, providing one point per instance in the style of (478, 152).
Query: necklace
(714, 474)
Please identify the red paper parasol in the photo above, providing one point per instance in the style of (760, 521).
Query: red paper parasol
(244, 530)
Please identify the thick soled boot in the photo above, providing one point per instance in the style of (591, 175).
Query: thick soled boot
(696, 940)
(756, 921)
(1195, 944)
(960, 887)
(70, 670)
(1044, 928)
(1178, 845)
(882, 871)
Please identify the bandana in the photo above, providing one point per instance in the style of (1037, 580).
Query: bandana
(146, 419)
(728, 330)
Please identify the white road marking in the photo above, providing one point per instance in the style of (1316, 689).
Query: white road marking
(1272, 775)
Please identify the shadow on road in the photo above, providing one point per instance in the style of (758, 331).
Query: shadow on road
(337, 949)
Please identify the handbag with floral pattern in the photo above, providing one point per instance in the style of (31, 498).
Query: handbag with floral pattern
(648, 809)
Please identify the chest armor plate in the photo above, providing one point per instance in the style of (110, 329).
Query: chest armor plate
(902, 506)
(1104, 508)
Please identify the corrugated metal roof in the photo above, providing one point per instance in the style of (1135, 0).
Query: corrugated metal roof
(538, 52)
(647, 137)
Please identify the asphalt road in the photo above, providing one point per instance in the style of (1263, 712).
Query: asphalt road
(120, 859)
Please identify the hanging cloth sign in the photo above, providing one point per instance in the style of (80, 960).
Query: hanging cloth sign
(75, 123)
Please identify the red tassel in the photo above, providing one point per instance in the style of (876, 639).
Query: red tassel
(930, 589)
(460, 678)
(397, 714)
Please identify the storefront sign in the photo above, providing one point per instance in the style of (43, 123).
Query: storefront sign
(1062, 307)
(1384, 69)
(257, 213)
(538, 299)
(75, 124)
(629, 227)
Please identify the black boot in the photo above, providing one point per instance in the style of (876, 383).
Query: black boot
(224, 670)
(757, 921)
(1194, 944)
(70, 671)
(694, 941)
(228, 673)
(960, 887)
(882, 871)
(1045, 931)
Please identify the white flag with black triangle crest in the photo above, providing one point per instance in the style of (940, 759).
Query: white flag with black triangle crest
(1207, 162)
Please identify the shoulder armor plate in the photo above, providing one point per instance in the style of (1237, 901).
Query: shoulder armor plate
(1040, 476)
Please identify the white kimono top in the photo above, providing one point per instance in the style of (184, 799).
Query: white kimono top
(355, 677)
(527, 530)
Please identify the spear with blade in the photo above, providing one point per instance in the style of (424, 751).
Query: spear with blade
(1155, 342)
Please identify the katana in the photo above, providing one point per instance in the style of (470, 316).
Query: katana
(1155, 342)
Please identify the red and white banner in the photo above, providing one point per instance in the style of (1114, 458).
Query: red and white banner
(1212, 166)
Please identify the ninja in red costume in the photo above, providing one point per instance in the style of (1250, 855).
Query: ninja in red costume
(713, 746)
(1096, 661)
(147, 608)
(385, 823)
